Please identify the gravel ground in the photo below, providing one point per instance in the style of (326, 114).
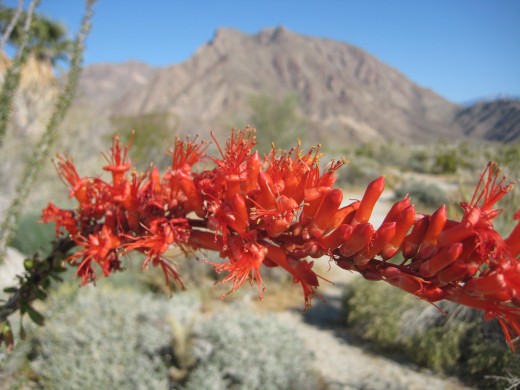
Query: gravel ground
(345, 364)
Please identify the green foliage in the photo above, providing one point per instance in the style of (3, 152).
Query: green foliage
(275, 121)
(508, 156)
(101, 337)
(365, 150)
(12, 76)
(426, 194)
(31, 237)
(460, 344)
(487, 359)
(358, 172)
(47, 38)
(439, 346)
(245, 351)
(362, 299)
(149, 134)
(446, 161)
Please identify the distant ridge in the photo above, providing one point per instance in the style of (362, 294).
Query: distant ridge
(497, 120)
(345, 95)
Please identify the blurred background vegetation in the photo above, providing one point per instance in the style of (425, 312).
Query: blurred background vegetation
(126, 334)
(460, 343)
(150, 134)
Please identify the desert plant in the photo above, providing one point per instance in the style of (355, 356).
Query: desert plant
(43, 146)
(12, 76)
(31, 237)
(243, 350)
(446, 161)
(362, 298)
(149, 133)
(419, 160)
(277, 119)
(277, 211)
(426, 194)
(457, 343)
(106, 338)
(47, 39)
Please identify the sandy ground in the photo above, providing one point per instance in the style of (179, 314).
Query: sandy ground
(345, 361)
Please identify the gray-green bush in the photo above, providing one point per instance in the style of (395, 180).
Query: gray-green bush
(107, 338)
(31, 237)
(426, 194)
(457, 344)
(241, 350)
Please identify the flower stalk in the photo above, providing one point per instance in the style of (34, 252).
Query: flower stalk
(282, 210)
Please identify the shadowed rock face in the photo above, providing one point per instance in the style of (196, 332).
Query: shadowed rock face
(344, 94)
(496, 121)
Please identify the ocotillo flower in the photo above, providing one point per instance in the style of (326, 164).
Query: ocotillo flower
(282, 209)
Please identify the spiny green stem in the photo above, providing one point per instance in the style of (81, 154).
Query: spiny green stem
(42, 148)
(32, 280)
(12, 24)
(13, 74)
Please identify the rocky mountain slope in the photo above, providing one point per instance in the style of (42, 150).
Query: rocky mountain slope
(31, 108)
(496, 120)
(343, 92)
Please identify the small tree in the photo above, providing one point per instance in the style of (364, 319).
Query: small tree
(48, 40)
(277, 121)
(149, 133)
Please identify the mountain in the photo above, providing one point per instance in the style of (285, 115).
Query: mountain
(31, 108)
(103, 84)
(497, 120)
(344, 94)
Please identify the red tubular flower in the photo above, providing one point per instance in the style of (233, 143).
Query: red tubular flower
(513, 240)
(329, 206)
(78, 186)
(100, 248)
(404, 222)
(441, 260)
(61, 218)
(161, 234)
(244, 262)
(301, 271)
(413, 241)
(182, 189)
(279, 210)
(372, 194)
(117, 160)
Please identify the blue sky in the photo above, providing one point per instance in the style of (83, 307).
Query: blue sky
(462, 49)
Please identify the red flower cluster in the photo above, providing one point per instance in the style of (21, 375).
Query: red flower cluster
(279, 211)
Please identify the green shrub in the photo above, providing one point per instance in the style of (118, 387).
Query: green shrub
(359, 172)
(241, 350)
(276, 120)
(419, 161)
(102, 337)
(150, 132)
(31, 236)
(365, 150)
(457, 344)
(383, 327)
(426, 194)
(446, 161)
(439, 346)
